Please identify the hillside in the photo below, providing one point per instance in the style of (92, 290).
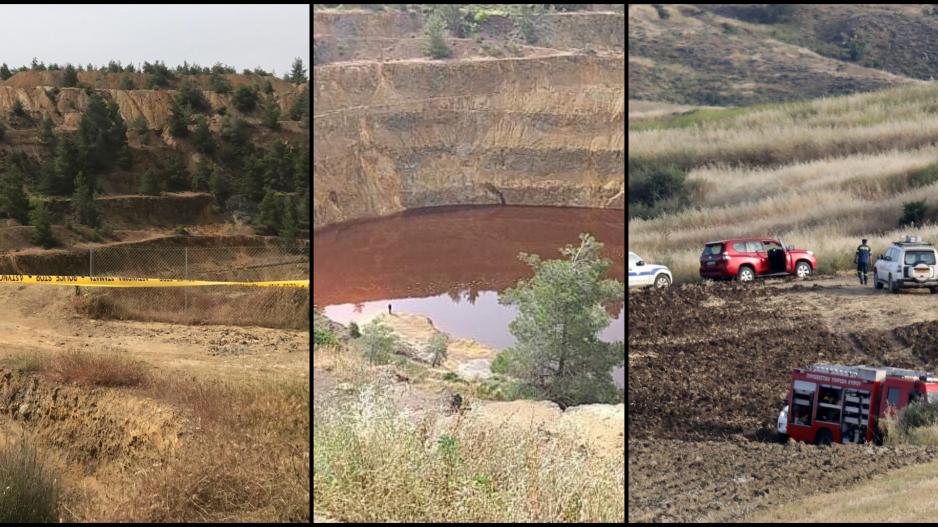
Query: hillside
(510, 119)
(719, 55)
(822, 173)
(246, 144)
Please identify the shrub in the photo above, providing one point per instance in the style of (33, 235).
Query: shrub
(323, 337)
(94, 370)
(126, 83)
(378, 342)
(662, 12)
(45, 132)
(29, 492)
(913, 213)
(179, 119)
(353, 330)
(438, 348)
(5, 72)
(656, 188)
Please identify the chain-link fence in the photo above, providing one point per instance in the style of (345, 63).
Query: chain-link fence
(277, 307)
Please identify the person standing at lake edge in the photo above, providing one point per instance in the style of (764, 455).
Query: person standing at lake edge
(389, 309)
(862, 259)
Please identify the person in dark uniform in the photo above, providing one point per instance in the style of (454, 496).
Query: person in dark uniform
(862, 259)
(389, 309)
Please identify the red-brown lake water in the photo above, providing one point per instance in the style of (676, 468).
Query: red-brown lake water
(450, 263)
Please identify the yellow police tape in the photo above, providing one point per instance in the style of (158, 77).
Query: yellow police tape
(118, 281)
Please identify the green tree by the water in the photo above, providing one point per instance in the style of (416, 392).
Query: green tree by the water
(558, 354)
(378, 342)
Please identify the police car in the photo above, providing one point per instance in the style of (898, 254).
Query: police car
(909, 263)
(644, 274)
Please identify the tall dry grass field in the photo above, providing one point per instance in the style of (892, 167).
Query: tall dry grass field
(821, 174)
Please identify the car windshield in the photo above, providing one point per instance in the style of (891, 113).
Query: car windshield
(917, 257)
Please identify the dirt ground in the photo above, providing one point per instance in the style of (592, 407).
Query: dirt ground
(708, 365)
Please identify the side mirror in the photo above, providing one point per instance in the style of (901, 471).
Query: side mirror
(640, 263)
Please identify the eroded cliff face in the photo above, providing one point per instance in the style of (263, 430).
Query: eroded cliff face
(524, 131)
(66, 108)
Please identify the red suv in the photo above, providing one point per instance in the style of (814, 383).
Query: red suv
(745, 259)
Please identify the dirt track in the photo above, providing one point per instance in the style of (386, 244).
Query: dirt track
(707, 369)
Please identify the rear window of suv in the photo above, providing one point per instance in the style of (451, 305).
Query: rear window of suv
(916, 257)
(713, 249)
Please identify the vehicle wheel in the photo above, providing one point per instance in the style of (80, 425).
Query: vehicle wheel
(823, 438)
(876, 283)
(893, 285)
(934, 290)
(802, 270)
(662, 281)
(745, 274)
(781, 438)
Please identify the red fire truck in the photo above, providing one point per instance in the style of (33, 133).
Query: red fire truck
(830, 402)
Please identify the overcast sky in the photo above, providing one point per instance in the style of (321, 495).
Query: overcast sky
(242, 36)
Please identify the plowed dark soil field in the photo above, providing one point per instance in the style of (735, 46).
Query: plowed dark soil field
(708, 368)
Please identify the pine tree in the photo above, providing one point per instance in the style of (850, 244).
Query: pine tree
(126, 83)
(13, 200)
(192, 97)
(251, 184)
(42, 233)
(66, 165)
(303, 213)
(202, 138)
(70, 79)
(560, 315)
(149, 184)
(271, 114)
(268, 87)
(45, 132)
(269, 215)
(5, 72)
(84, 210)
(202, 175)
(298, 72)
(435, 38)
(300, 106)
(288, 225)
(219, 84)
(177, 176)
(218, 186)
(245, 99)
(17, 110)
(178, 120)
(301, 173)
(124, 158)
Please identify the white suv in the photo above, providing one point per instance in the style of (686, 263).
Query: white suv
(642, 274)
(907, 264)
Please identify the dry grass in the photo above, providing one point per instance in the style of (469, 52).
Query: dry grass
(372, 464)
(247, 461)
(900, 118)
(29, 491)
(91, 369)
(903, 495)
(267, 307)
